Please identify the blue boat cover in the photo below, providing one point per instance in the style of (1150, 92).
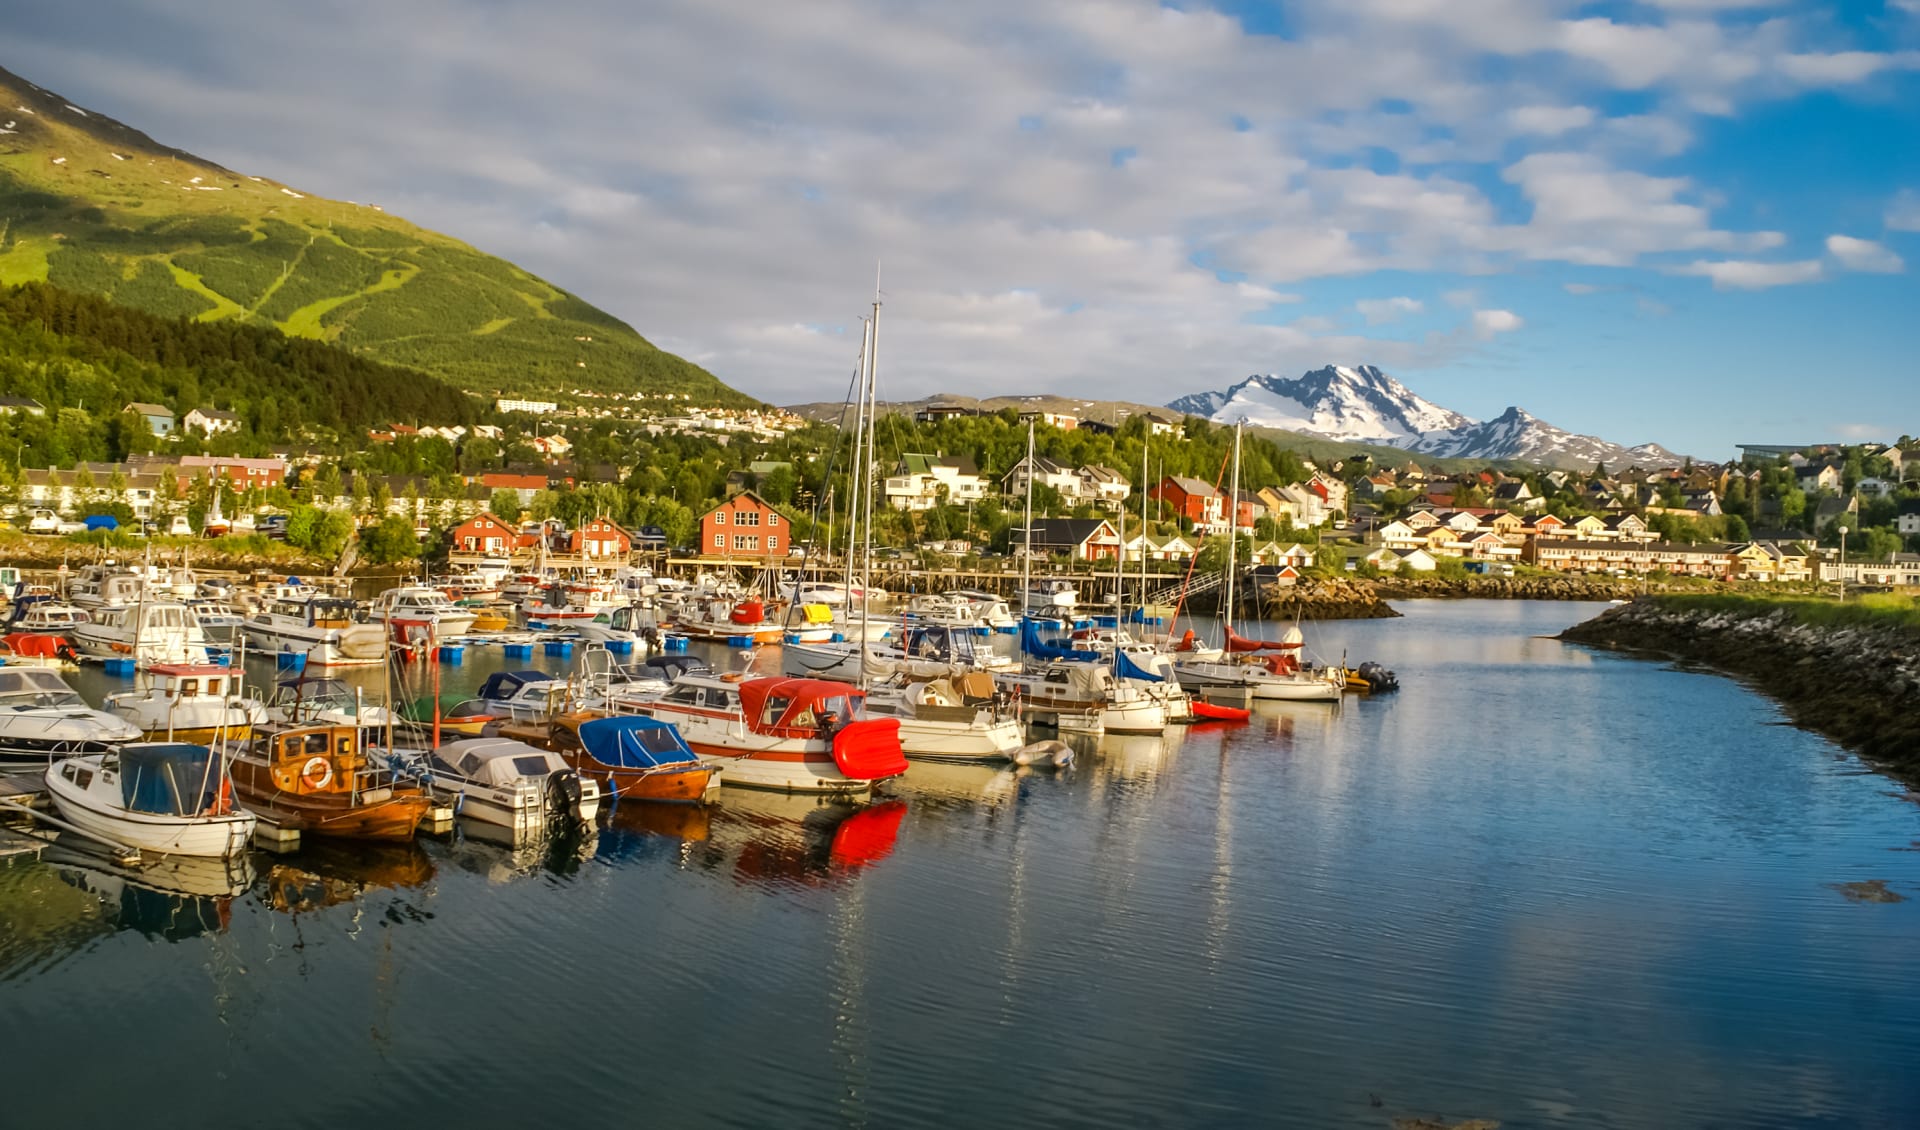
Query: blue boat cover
(634, 742)
(1032, 644)
(167, 778)
(503, 685)
(1128, 669)
(937, 642)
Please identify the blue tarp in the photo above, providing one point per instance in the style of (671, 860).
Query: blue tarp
(634, 742)
(1033, 645)
(1126, 668)
(503, 685)
(167, 778)
(102, 522)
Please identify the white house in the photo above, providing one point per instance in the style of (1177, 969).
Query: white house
(1045, 472)
(212, 421)
(532, 407)
(1104, 485)
(1388, 560)
(925, 479)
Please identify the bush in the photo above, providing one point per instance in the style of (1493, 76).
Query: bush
(392, 540)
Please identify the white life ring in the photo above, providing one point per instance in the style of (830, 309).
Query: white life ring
(317, 773)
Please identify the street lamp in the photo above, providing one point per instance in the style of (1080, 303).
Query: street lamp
(1842, 572)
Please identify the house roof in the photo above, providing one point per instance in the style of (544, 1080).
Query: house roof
(1102, 474)
(216, 414)
(1063, 531)
(19, 402)
(146, 409)
(1192, 486)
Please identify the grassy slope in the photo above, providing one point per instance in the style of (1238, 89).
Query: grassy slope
(1862, 610)
(95, 206)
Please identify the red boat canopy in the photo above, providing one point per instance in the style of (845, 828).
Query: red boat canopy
(795, 708)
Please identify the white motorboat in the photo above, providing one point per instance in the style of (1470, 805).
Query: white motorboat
(51, 617)
(148, 632)
(784, 734)
(304, 700)
(635, 624)
(1085, 695)
(219, 622)
(418, 605)
(512, 784)
(1052, 596)
(172, 798)
(960, 720)
(320, 628)
(187, 702)
(524, 696)
(43, 719)
(989, 611)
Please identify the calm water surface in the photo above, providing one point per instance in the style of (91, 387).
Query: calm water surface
(1539, 885)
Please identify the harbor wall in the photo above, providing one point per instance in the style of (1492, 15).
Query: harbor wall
(1856, 683)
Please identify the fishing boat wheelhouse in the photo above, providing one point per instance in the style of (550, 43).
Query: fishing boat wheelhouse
(190, 702)
(319, 779)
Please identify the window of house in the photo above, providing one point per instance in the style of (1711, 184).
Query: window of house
(719, 541)
(773, 519)
(747, 518)
(720, 517)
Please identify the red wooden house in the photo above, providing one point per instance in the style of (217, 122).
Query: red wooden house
(483, 533)
(745, 525)
(601, 537)
(1190, 498)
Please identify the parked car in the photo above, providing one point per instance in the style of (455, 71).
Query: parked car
(180, 528)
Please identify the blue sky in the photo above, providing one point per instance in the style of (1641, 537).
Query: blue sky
(1686, 221)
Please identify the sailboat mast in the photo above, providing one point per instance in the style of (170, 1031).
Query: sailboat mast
(853, 462)
(1233, 521)
(867, 475)
(1026, 552)
(1145, 444)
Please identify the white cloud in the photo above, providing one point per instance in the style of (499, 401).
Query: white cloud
(1381, 311)
(1903, 213)
(1864, 255)
(1741, 274)
(1488, 324)
(1550, 121)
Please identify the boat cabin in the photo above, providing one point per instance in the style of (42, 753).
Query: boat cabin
(524, 694)
(309, 759)
(159, 778)
(776, 707)
(186, 680)
(48, 616)
(35, 686)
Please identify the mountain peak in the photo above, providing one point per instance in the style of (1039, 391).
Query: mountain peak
(1361, 403)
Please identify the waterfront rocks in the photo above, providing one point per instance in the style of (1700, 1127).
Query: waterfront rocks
(1335, 598)
(1868, 890)
(1473, 587)
(1857, 684)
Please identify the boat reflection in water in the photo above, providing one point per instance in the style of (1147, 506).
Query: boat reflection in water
(774, 840)
(171, 899)
(499, 855)
(956, 784)
(326, 874)
(1137, 756)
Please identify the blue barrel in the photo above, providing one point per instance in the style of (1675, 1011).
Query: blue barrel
(559, 647)
(620, 647)
(123, 668)
(291, 660)
(452, 653)
(519, 650)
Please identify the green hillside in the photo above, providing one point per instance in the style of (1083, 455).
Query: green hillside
(97, 207)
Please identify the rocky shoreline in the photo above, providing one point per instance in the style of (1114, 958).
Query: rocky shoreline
(1858, 684)
(1508, 588)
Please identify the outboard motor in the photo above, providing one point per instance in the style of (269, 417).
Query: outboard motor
(563, 796)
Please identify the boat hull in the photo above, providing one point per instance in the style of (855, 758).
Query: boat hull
(685, 783)
(216, 837)
(392, 817)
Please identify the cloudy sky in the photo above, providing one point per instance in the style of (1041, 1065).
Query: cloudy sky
(1688, 221)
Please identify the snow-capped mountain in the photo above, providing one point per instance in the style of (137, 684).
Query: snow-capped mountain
(1516, 435)
(1364, 405)
(1361, 404)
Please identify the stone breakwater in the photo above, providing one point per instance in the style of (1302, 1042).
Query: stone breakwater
(1856, 684)
(1508, 588)
(1332, 599)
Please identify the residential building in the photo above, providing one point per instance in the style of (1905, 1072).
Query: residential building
(601, 537)
(1901, 570)
(10, 405)
(483, 533)
(1517, 494)
(241, 472)
(1159, 424)
(1191, 499)
(1908, 521)
(1061, 420)
(1083, 539)
(532, 407)
(1392, 560)
(924, 481)
(1830, 510)
(158, 418)
(1104, 485)
(1574, 555)
(1045, 472)
(934, 413)
(523, 486)
(64, 490)
(1820, 476)
(745, 525)
(212, 421)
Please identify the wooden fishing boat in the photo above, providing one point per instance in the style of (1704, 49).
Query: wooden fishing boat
(190, 702)
(318, 779)
(632, 757)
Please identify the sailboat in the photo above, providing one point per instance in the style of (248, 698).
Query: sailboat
(1280, 677)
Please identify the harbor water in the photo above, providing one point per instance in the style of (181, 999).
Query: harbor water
(1539, 885)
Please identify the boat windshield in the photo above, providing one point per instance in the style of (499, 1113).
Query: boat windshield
(168, 779)
(30, 686)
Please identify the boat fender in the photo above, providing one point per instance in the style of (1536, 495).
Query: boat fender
(317, 773)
